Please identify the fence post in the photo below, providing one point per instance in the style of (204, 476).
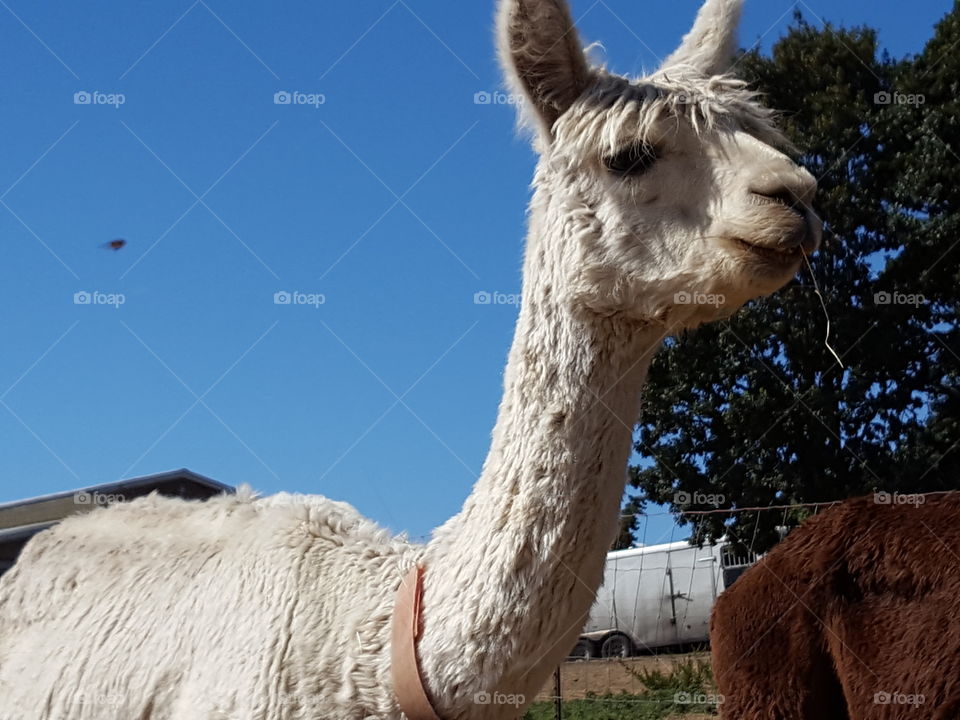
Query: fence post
(557, 695)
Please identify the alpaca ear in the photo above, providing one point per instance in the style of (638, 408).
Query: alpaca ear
(541, 56)
(710, 46)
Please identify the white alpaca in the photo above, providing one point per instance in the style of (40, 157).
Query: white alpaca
(659, 204)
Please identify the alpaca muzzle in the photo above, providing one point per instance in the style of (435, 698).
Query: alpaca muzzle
(789, 193)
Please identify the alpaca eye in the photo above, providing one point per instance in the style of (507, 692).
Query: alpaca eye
(632, 161)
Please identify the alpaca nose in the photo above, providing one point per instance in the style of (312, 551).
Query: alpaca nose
(782, 196)
(791, 186)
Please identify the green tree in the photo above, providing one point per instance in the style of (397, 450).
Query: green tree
(757, 411)
(926, 212)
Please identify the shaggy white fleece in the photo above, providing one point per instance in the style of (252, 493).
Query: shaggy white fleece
(172, 609)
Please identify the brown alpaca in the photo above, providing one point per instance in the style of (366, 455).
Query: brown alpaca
(855, 616)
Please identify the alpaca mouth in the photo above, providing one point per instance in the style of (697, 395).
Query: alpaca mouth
(775, 259)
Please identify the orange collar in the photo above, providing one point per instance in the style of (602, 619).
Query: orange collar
(407, 625)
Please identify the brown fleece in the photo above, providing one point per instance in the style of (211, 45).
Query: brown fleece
(855, 616)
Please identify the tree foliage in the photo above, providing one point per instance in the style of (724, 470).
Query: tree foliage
(756, 411)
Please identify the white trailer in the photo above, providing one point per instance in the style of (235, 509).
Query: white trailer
(657, 596)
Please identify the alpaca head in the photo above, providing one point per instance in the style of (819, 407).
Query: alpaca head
(665, 198)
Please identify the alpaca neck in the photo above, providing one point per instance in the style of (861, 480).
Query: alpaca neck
(509, 580)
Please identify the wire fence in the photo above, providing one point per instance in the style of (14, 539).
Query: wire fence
(668, 687)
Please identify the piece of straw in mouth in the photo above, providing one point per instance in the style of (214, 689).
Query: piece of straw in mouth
(823, 304)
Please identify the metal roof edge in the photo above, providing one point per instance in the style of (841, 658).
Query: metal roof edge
(182, 473)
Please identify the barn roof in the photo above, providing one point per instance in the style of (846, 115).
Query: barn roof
(22, 519)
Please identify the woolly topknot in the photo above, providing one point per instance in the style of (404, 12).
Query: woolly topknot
(614, 107)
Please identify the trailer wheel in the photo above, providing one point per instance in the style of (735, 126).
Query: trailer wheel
(616, 645)
(585, 649)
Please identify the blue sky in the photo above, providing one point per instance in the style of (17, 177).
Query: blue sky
(397, 199)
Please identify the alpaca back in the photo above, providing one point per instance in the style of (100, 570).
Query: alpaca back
(229, 608)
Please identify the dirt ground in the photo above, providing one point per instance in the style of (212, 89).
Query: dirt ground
(612, 676)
